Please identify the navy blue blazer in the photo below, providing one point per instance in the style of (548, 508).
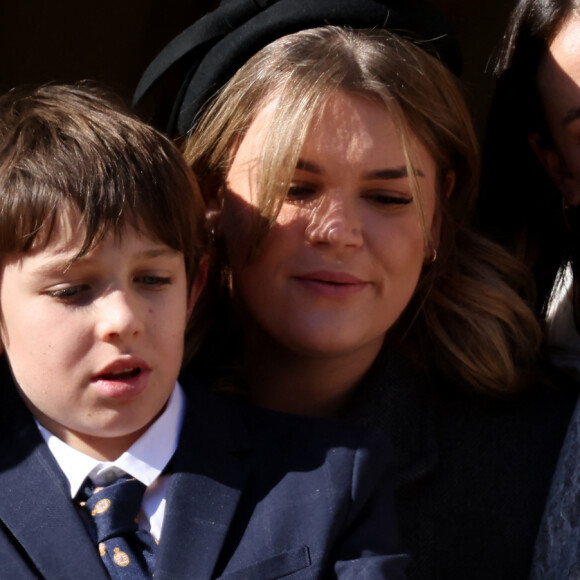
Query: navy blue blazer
(252, 495)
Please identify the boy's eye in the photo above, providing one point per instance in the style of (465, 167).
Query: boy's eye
(67, 292)
(153, 281)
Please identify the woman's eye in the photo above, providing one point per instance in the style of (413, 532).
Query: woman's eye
(299, 192)
(153, 281)
(387, 198)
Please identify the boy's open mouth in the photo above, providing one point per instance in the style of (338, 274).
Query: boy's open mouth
(121, 374)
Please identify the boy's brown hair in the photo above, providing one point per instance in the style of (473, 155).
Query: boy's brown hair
(77, 146)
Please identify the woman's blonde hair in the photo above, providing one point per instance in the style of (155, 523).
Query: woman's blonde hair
(466, 317)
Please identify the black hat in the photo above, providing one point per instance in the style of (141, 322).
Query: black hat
(222, 41)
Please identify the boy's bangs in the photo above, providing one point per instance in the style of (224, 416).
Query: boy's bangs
(33, 213)
(67, 148)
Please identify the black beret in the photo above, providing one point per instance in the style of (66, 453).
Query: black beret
(218, 44)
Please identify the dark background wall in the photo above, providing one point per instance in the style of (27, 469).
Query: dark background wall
(112, 41)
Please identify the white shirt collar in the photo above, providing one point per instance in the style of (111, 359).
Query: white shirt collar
(145, 459)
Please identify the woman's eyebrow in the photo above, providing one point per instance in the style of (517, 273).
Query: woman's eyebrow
(391, 173)
(388, 173)
(308, 166)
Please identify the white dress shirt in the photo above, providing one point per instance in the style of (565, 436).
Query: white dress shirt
(145, 460)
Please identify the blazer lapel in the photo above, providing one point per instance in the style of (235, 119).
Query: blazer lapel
(35, 507)
(208, 474)
(398, 398)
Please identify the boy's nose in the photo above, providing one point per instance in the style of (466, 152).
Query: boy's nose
(335, 221)
(118, 317)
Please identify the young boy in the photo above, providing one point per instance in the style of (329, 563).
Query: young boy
(102, 261)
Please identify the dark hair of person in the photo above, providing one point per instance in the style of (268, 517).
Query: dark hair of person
(519, 205)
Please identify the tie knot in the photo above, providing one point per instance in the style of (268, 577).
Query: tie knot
(114, 508)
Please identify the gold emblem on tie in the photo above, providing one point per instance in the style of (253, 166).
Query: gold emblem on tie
(102, 549)
(101, 506)
(121, 558)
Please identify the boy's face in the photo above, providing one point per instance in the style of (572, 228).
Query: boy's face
(96, 348)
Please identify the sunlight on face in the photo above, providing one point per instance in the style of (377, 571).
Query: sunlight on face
(344, 257)
(96, 346)
(559, 88)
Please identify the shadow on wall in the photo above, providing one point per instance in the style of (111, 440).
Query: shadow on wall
(108, 41)
(479, 25)
(112, 42)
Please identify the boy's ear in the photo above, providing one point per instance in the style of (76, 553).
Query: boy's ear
(198, 284)
(556, 168)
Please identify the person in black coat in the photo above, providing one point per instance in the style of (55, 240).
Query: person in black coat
(341, 170)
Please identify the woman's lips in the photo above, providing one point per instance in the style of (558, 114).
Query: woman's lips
(331, 284)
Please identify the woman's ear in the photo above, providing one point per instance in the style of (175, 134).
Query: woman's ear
(447, 190)
(449, 183)
(549, 158)
(556, 168)
(212, 191)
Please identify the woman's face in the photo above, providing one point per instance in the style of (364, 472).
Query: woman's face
(345, 254)
(559, 88)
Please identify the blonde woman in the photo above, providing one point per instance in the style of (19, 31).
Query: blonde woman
(340, 168)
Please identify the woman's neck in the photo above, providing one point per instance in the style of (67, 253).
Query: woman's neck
(304, 384)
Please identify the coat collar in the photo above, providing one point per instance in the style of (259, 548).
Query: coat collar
(208, 474)
(400, 399)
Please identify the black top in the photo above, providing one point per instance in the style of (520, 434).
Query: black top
(473, 472)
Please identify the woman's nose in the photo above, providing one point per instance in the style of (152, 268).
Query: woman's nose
(335, 221)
